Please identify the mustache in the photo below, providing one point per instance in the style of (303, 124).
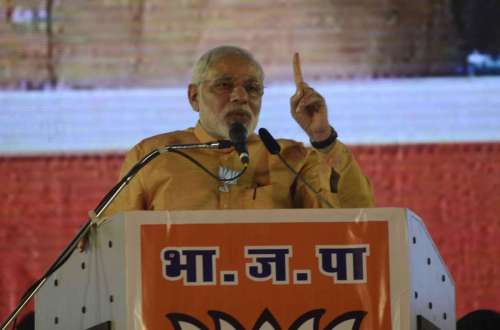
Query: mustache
(239, 112)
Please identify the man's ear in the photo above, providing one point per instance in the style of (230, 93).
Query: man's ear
(193, 97)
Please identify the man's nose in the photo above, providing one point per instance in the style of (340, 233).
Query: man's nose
(239, 94)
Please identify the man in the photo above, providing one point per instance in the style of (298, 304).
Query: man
(227, 87)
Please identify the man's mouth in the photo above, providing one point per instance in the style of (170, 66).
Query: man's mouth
(238, 116)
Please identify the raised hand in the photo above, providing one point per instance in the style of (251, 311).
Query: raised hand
(308, 107)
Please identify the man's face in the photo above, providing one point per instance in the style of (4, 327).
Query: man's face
(230, 92)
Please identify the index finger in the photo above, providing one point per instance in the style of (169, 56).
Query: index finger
(297, 72)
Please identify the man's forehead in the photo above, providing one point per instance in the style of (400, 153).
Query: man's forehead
(229, 76)
(235, 68)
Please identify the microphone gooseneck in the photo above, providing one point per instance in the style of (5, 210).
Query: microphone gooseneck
(238, 136)
(274, 148)
(221, 144)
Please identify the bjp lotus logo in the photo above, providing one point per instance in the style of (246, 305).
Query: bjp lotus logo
(267, 321)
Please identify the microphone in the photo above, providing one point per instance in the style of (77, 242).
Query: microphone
(272, 146)
(238, 136)
(274, 149)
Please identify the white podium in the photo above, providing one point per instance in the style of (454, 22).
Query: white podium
(259, 269)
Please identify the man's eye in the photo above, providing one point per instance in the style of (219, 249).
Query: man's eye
(253, 89)
(224, 85)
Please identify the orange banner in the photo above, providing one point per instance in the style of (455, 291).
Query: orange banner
(242, 275)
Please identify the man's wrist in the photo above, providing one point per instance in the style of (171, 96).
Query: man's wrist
(332, 137)
(320, 135)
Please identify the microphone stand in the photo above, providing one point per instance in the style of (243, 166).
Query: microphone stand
(101, 207)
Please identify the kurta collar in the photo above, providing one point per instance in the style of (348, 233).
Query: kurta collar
(204, 137)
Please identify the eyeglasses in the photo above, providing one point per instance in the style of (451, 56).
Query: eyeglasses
(226, 85)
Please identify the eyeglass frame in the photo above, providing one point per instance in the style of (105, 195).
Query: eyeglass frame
(229, 89)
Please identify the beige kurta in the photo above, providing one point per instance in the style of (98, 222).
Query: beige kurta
(171, 182)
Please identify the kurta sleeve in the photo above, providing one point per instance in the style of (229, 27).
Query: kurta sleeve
(346, 179)
(334, 175)
(132, 197)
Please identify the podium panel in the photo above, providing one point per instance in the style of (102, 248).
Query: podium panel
(260, 269)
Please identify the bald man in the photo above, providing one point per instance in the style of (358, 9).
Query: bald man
(227, 88)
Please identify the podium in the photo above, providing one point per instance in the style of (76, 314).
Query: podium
(253, 269)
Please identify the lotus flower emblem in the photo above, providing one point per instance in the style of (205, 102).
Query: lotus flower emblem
(307, 321)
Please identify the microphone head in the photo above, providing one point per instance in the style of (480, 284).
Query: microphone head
(238, 136)
(271, 144)
(237, 133)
